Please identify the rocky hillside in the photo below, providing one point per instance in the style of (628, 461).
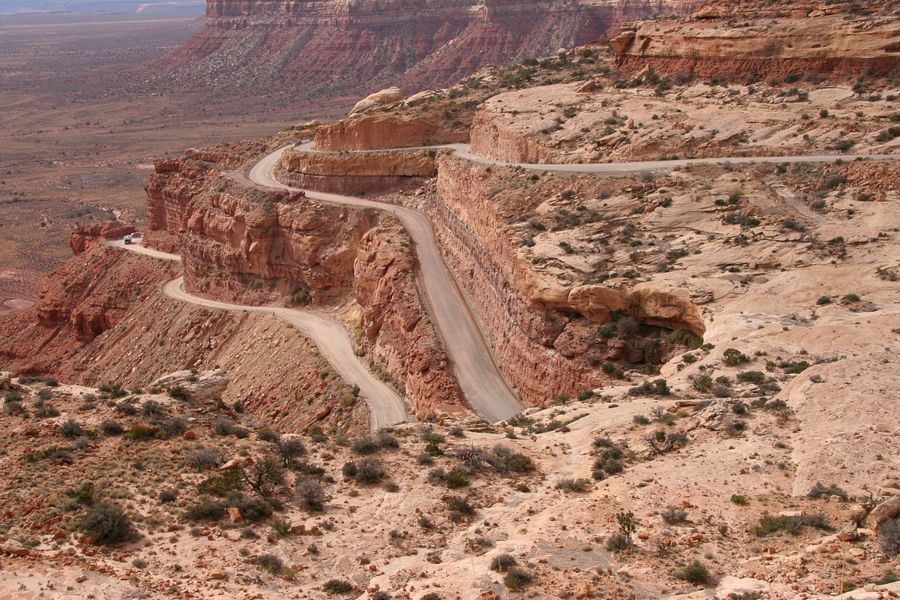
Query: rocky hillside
(332, 48)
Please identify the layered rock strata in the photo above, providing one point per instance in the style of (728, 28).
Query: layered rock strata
(335, 47)
(355, 173)
(739, 40)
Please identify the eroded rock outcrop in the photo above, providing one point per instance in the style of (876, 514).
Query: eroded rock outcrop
(355, 173)
(87, 236)
(386, 130)
(746, 38)
(202, 386)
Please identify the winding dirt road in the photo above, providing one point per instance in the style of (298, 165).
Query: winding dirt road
(386, 407)
(622, 168)
(471, 359)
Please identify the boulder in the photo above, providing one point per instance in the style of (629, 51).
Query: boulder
(889, 509)
(6, 380)
(202, 386)
(380, 98)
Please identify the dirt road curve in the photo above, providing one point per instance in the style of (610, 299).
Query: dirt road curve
(386, 407)
(470, 356)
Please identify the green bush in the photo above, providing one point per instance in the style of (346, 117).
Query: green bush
(337, 586)
(106, 524)
(141, 432)
(503, 562)
(270, 563)
(311, 494)
(110, 427)
(71, 429)
(205, 510)
(221, 484)
(517, 578)
(769, 524)
(733, 357)
(821, 491)
(695, 572)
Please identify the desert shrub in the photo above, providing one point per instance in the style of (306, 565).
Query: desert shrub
(126, 408)
(337, 586)
(369, 471)
(179, 393)
(364, 445)
(83, 494)
(44, 394)
(205, 458)
(281, 526)
(301, 297)
(386, 439)
(141, 432)
(289, 449)
(627, 526)
(311, 494)
(573, 485)
(504, 460)
(733, 357)
(13, 407)
(264, 474)
(268, 435)
(821, 491)
(739, 499)
(110, 427)
(673, 515)
(46, 411)
(106, 524)
(769, 524)
(517, 578)
(223, 426)
(270, 563)
(695, 572)
(503, 562)
(456, 478)
(617, 542)
(657, 387)
(221, 484)
(752, 377)
(456, 431)
(252, 509)
(167, 496)
(460, 505)
(641, 420)
(151, 408)
(205, 510)
(71, 429)
(172, 427)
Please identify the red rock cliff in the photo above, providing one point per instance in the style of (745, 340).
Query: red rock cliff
(335, 47)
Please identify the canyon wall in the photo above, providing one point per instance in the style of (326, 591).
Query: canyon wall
(255, 245)
(776, 41)
(337, 47)
(529, 343)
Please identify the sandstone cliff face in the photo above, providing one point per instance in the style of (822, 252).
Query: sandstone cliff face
(334, 47)
(254, 245)
(356, 173)
(544, 335)
(385, 130)
(833, 40)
